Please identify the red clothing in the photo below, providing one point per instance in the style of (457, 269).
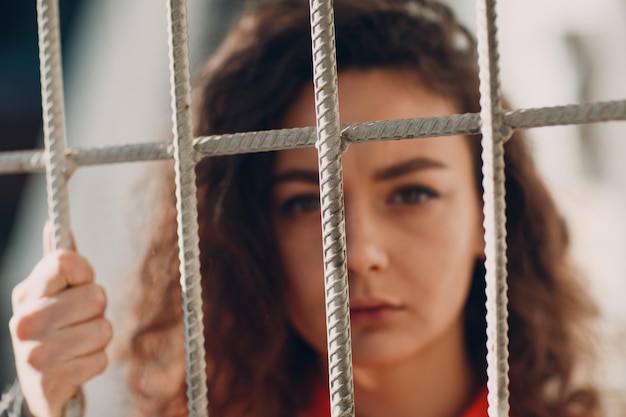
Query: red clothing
(321, 406)
(478, 408)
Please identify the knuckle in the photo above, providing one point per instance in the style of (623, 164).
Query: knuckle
(23, 327)
(13, 324)
(98, 297)
(37, 357)
(100, 363)
(18, 294)
(64, 262)
(70, 265)
(32, 322)
(88, 269)
(106, 331)
(94, 365)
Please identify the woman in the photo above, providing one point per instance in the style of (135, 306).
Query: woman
(414, 240)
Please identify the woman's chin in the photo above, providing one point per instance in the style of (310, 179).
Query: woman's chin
(380, 353)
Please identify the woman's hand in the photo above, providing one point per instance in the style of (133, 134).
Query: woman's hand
(58, 330)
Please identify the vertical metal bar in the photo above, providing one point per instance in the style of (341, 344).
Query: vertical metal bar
(329, 149)
(53, 111)
(53, 119)
(186, 205)
(494, 133)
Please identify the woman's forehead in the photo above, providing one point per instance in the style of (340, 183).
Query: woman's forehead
(371, 95)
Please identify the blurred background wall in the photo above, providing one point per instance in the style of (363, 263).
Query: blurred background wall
(115, 57)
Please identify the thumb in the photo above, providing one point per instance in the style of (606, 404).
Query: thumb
(48, 238)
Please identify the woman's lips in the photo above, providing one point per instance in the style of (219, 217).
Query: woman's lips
(369, 312)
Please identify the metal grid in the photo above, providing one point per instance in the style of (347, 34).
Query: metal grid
(330, 139)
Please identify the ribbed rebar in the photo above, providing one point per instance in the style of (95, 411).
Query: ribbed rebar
(463, 124)
(329, 148)
(573, 114)
(53, 111)
(32, 161)
(15, 162)
(53, 120)
(458, 124)
(494, 133)
(186, 205)
(125, 153)
(262, 141)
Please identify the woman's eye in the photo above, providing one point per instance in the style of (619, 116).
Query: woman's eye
(301, 205)
(413, 195)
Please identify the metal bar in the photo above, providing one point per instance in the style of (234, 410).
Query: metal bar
(33, 161)
(573, 114)
(268, 140)
(329, 148)
(53, 120)
(52, 101)
(495, 132)
(186, 206)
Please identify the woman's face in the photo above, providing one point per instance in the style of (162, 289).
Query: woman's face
(413, 224)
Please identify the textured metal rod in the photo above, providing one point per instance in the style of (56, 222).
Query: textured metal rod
(53, 120)
(33, 161)
(267, 140)
(15, 162)
(262, 141)
(494, 133)
(122, 153)
(329, 148)
(458, 124)
(572, 114)
(186, 205)
(52, 102)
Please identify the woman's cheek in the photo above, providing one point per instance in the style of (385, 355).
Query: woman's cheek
(301, 254)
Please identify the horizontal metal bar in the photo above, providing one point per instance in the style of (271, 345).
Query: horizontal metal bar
(34, 161)
(573, 114)
(463, 124)
(14, 162)
(263, 141)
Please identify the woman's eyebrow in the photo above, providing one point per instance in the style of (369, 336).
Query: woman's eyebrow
(407, 167)
(393, 171)
(301, 175)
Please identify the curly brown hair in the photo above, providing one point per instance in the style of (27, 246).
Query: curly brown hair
(257, 364)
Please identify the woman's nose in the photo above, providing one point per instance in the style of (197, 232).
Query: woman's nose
(365, 240)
